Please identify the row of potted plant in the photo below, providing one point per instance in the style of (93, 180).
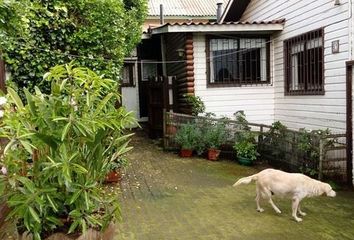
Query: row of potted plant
(206, 136)
(194, 136)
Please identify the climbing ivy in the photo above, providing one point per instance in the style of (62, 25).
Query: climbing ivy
(95, 33)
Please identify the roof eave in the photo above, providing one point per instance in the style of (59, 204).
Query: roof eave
(264, 28)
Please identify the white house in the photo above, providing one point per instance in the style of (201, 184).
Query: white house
(285, 61)
(312, 61)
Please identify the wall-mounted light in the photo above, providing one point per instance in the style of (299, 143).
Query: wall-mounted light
(336, 2)
(181, 52)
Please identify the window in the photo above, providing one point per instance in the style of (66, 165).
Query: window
(128, 75)
(237, 61)
(304, 64)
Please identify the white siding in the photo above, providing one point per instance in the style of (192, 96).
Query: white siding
(302, 16)
(130, 96)
(256, 101)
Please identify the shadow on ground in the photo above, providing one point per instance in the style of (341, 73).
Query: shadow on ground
(167, 197)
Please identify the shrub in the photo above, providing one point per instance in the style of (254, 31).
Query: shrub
(215, 135)
(246, 145)
(61, 146)
(37, 35)
(308, 145)
(187, 136)
(196, 103)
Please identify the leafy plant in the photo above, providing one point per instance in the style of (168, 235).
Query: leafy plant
(276, 139)
(37, 35)
(309, 147)
(246, 146)
(196, 103)
(187, 136)
(241, 121)
(215, 135)
(118, 164)
(60, 147)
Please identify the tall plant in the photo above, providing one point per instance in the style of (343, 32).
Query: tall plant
(60, 147)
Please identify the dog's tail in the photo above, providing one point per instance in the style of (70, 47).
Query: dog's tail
(246, 180)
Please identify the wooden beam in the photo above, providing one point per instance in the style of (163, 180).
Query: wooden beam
(349, 118)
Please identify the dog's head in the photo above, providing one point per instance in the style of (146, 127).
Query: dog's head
(327, 189)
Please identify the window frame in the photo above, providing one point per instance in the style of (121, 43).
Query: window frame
(287, 44)
(132, 67)
(210, 84)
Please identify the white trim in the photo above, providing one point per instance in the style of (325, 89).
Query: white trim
(264, 28)
(145, 36)
(226, 10)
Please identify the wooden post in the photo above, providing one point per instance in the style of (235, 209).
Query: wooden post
(321, 158)
(164, 120)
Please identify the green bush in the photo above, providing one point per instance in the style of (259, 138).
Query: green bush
(61, 146)
(187, 136)
(196, 103)
(246, 146)
(37, 35)
(215, 135)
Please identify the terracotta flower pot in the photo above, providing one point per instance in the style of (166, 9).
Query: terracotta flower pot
(186, 153)
(113, 176)
(213, 154)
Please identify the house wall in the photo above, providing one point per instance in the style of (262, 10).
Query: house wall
(130, 95)
(183, 69)
(256, 101)
(312, 112)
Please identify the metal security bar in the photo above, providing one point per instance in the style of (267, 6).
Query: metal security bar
(237, 61)
(304, 64)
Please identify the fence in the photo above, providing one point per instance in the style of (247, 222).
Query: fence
(318, 153)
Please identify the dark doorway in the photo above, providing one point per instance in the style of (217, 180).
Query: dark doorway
(149, 52)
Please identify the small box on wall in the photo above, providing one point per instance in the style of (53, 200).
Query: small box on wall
(335, 46)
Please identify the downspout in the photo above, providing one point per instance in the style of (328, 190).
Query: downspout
(162, 42)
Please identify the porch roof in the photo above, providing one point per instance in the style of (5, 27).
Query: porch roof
(225, 27)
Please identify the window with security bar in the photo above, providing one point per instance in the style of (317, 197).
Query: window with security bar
(304, 64)
(237, 61)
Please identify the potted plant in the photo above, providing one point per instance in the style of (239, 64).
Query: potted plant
(115, 173)
(246, 148)
(72, 136)
(187, 137)
(215, 135)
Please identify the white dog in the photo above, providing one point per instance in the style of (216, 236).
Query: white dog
(294, 185)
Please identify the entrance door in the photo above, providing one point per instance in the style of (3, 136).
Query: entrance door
(148, 70)
(160, 97)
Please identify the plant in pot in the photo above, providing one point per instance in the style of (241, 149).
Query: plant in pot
(246, 148)
(215, 135)
(186, 137)
(61, 145)
(115, 171)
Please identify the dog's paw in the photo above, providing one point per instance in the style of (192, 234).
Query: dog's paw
(297, 219)
(260, 210)
(302, 213)
(278, 211)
